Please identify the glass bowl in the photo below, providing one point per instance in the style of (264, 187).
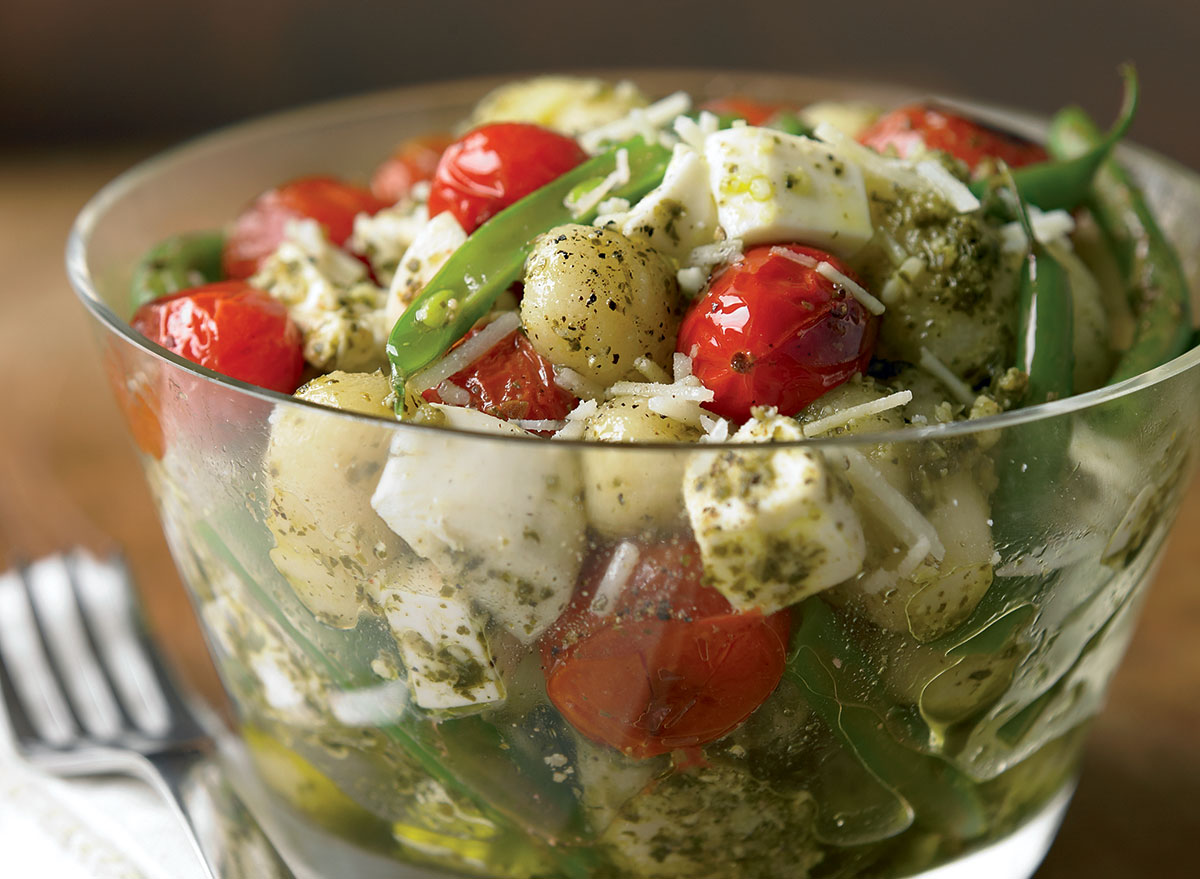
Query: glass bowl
(388, 675)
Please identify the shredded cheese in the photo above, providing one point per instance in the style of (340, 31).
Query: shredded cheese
(572, 429)
(459, 358)
(865, 299)
(680, 390)
(708, 255)
(569, 380)
(651, 370)
(716, 430)
(956, 386)
(593, 197)
(681, 366)
(453, 394)
(1048, 226)
(950, 187)
(539, 425)
(877, 580)
(830, 273)
(616, 576)
(656, 115)
(845, 416)
(889, 504)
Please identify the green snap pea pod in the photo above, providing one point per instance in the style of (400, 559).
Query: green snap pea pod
(491, 259)
(1045, 320)
(178, 263)
(1154, 279)
(1033, 456)
(842, 689)
(1064, 183)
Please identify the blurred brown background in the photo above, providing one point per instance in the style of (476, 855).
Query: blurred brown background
(89, 87)
(85, 69)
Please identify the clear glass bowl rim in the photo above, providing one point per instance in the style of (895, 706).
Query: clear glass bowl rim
(425, 96)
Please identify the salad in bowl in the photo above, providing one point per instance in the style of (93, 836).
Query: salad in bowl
(607, 484)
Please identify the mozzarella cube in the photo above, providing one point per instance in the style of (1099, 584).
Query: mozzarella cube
(507, 526)
(770, 186)
(679, 214)
(442, 642)
(774, 525)
(434, 244)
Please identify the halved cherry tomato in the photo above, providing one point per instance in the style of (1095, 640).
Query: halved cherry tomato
(495, 165)
(231, 328)
(258, 230)
(512, 381)
(664, 664)
(753, 111)
(771, 331)
(413, 161)
(907, 129)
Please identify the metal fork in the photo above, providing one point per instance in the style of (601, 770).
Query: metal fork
(87, 694)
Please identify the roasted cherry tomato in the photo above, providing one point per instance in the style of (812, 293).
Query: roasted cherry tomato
(413, 161)
(909, 128)
(496, 165)
(231, 328)
(665, 662)
(258, 230)
(512, 381)
(771, 331)
(754, 112)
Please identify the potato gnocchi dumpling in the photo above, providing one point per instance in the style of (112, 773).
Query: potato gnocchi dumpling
(595, 301)
(320, 475)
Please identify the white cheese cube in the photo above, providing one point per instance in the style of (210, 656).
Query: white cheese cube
(679, 214)
(774, 525)
(506, 526)
(441, 640)
(438, 238)
(776, 187)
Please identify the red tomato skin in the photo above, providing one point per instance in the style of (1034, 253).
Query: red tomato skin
(231, 328)
(671, 666)
(495, 165)
(753, 111)
(772, 332)
(414, 161)
(258, 230)
(907, 129)
(512, 381)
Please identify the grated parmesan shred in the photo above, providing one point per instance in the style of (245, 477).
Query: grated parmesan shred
(830, 273)
(863, 410)
(569, 380)
(459, 358)
(876, 581)
(616, 576)
(453, 394)
(950, 187)
(956, 386)
(890, 505)
(576, 420)
(656, 115)
(595, 196)
(539, 425)
(651, 370)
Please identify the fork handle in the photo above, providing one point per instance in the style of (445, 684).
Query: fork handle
(177, 775)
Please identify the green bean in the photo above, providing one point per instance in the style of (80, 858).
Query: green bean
(491, 259)
(1045, 320)
(1154, 279)
(1065, 182)
(842, 688)
(175, 264)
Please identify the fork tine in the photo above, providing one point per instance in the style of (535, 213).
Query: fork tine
(36, 699)
(80, 675)
(105, 594)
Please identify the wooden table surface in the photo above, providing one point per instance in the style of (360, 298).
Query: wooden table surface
(1137, 811)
